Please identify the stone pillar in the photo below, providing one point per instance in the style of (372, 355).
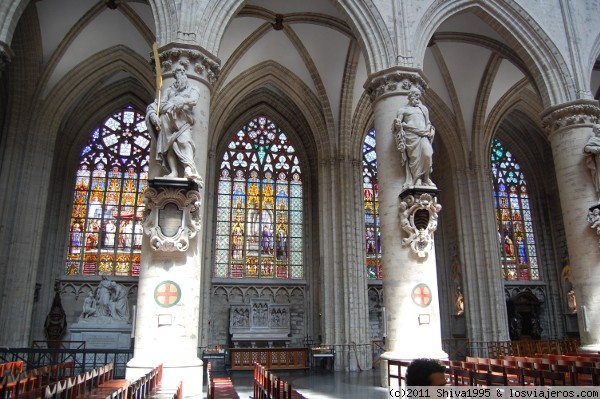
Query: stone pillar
(570, 126)
(167, 316)
(408, 220)
(483, 287)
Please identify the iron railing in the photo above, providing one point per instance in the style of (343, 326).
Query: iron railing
(83, 359)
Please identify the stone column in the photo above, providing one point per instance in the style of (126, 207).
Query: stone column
(483, 287)
(408, 219)
(166, 327)
(570, 126)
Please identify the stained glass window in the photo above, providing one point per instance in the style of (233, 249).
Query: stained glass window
(371, 204)
(106, 218)
(259, 231)
(513, 217)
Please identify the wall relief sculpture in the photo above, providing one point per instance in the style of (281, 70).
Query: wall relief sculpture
(259, 321)
(107, 302)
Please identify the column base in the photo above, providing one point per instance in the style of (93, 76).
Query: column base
(593, 348)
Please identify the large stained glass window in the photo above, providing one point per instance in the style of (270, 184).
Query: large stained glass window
(259, 232)
(513, 217)
(371, 203)
(106, 218)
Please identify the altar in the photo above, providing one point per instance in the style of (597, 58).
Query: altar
(259, 323)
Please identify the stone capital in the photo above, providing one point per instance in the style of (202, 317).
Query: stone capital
(580, 112)
(394, 81)
(199, 64)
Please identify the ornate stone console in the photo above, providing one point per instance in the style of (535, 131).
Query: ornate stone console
(259, 323)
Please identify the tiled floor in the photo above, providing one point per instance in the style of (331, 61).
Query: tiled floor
(317, 384)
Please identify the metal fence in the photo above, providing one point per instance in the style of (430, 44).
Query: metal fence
(83, 359)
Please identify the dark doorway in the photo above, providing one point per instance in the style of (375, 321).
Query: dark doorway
(524, 316)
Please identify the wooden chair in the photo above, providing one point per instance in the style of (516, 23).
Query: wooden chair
(461, 376)
(55, 390)
(15, 384)
(480, 378)
(483, 367)
(583, 373)
(514, 376)
(469, 365)
(596, 375)
(497, 379)
(286, 390)
(565, 367)
(497, 369)
(531, 376)
(66, 369)
(549, 377)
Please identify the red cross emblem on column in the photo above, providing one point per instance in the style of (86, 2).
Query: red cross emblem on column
(167, 294)
(421, 295)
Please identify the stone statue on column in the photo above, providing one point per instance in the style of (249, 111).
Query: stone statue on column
(414, 135)
(592, 150)
(171, 118)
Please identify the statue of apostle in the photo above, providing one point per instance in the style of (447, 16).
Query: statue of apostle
(414, 137)
(171, 122)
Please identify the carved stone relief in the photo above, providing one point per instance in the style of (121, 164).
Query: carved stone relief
(418, 218)
(172, 217)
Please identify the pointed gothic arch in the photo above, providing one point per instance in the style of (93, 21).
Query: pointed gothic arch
(552, 74)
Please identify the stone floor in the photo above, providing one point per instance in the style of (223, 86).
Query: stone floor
(320, 384)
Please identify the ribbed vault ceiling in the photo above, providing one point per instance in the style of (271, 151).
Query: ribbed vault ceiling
(470, 66)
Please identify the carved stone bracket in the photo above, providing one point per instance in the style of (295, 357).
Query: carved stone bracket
(172, 217)
(593, 218)
(200, 64)
(418, 218)
(393, 82)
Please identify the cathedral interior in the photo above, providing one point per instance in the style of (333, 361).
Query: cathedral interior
(303, 192)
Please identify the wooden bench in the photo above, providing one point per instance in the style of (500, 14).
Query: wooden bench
(219, 387)
(268, 386)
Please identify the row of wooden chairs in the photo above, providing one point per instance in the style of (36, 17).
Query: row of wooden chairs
(531, 347)
(97, 383)
(11, 367)
(20, 381)
(268, 386)
(536, 370)
(81, 385)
